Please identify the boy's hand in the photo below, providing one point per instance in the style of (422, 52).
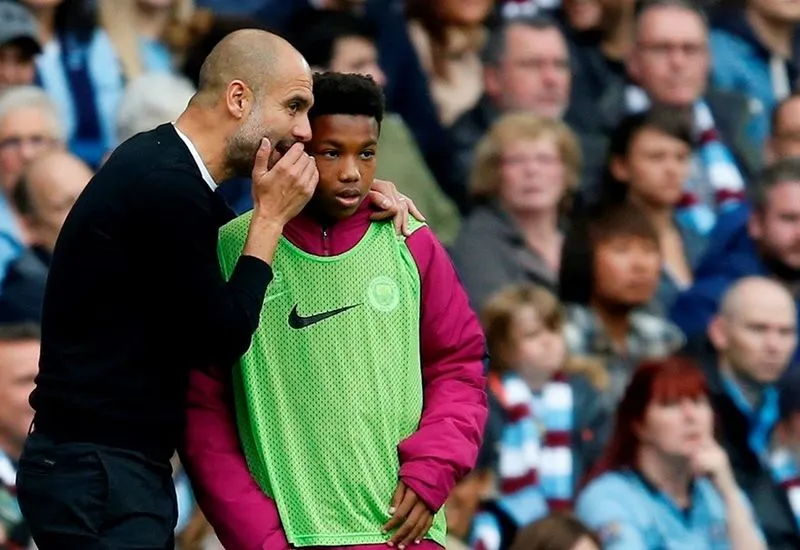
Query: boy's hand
(394, 205)
(410, 514)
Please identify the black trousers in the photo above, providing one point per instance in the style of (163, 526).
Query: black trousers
(92, 497)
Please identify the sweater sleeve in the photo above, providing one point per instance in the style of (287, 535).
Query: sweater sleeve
(241, 514)
(184, 226)
(445, 446)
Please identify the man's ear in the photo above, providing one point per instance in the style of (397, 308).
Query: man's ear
(770, 156)
(755, 225)
(491, 82)
(619, 169)
(717, 333)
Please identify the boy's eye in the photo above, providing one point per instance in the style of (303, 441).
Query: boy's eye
(330, 154)
(366, 155)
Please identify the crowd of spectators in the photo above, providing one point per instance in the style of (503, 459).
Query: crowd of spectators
(617, 183)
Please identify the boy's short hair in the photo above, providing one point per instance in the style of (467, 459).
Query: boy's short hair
(347, 94)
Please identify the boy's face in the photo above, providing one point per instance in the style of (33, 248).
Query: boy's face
(345, 148)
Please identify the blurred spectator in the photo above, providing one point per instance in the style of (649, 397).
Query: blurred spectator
(753, 337)
(29, 127)
(756, 51)
(448, 36)
(150, 100)
(78, 68)
(345, 43)
(554, 421)
(19, 45)
(600, 56)
(664, 481)
(784, 138)
(525, 175)
(148, 35)
(19, 365)
(670, 65)
(43, 198)
(769, 246)
(526, 68)
(582, 16)
(785, 453)
(557, 532)
(648, 164)
(610, 270)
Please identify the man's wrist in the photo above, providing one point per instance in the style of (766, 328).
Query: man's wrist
(265, 219)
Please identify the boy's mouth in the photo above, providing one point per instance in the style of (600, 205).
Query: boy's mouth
(348, 197)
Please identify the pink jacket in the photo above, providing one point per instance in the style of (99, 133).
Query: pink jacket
(432, 460)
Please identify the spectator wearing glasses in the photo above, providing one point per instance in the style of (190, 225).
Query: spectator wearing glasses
(29, 127)
(669, 65)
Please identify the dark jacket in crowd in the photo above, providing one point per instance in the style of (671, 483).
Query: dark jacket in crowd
(770, 501)
(730, 255)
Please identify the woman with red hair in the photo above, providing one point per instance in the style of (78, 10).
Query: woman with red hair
(664, 482)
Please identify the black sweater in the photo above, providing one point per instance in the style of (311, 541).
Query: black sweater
(135, 299)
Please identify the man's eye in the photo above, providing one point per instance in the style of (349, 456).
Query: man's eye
(368, 155)
(330, 154)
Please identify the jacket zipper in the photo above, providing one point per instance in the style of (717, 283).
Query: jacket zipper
(326, 248)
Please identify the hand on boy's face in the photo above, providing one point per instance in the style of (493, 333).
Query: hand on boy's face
(411, 515)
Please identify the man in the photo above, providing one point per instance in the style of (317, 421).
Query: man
(526, 67)
(397, 338)
(756, 52)
(669, 65)
(345, 43)
(753, 336)
(784, 137)
(29, 127)
(19, 358)
(19, 45)
(135, 298)
(768, 245)
(43, 197)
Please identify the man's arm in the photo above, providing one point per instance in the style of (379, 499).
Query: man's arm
(183, 240)
(445, 446)
(241, 514)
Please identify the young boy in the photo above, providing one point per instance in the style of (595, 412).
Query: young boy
(361, 402)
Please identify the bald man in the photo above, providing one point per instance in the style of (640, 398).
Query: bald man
(44, 195)
(754, 335)
(135, 298)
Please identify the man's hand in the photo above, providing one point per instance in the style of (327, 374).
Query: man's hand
(280, 193)
(410, 514)
(394, 205)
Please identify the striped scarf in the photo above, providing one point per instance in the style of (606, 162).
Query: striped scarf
(786, 472)
(719, 166)
(535, 448)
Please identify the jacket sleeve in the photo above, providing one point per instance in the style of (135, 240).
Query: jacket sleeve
(445, 446)
(242, 515)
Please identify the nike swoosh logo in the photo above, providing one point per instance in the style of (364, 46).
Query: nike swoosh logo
(297, 321)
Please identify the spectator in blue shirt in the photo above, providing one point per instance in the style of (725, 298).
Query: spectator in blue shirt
(664, 481)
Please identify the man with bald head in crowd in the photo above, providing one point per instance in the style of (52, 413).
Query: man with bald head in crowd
(753, 337)
(135, 298)
(43, 197)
